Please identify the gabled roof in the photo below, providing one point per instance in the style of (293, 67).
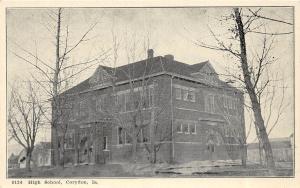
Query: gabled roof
(143, 68)
(13, 158)
(198, 66)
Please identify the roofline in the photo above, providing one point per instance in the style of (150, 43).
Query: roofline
(154, 75)
(197, 81)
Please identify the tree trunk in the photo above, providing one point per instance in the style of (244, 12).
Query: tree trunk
(134, 148)
(56, 148)
(260, 154)
(28, 159)
(154, 154)
(63, 155)
(259, 122)
(152, 138)
(244, 155)
(55, 86)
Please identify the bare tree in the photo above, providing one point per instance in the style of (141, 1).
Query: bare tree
(251, 69)
(25, 117)
(56, 75)
(272, 112)
(138, 116)
(158, 134)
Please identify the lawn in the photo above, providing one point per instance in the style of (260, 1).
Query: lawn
(191, 169)
(109, 170)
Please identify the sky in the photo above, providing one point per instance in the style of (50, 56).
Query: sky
(168, 30)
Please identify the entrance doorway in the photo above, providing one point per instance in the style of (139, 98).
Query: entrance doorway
(210, 149)
(86, 147)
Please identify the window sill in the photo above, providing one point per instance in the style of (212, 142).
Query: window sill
(69, 148)
(121, 145)
(186, 100)
(105, 150)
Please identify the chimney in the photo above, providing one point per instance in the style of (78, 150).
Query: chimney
(150, 53)
(169, 57)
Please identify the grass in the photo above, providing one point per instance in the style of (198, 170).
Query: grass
(193, 169)
(109, 170)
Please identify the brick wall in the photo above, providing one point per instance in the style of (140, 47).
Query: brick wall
(186, 146)
(223, 121)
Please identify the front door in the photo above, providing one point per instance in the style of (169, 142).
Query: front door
(211, 149)
(86, 146)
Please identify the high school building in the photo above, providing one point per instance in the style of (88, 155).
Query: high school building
(192, 114)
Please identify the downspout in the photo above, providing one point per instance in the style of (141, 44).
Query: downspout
(172, 121)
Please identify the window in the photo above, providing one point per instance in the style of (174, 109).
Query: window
(151, 96)
(178, 93)
(120, 140)
(121, 102)
(46, 159)
(127, 102)
(145, 134)
(136, 99)
(234, 103)
(225, 101)
(83, 108)
(179, 128)
(105, 143)
(226, 132)
(144, 98)
(211, 147)
(127, 138)
(237, 103)
(212, 103)
(209, 104)
(185, 94)
(142, 137)
(186, 129)
(73, 112)
(98, 104)
(191, 96)
(192, 128)
(69, 141)
(229, 102)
